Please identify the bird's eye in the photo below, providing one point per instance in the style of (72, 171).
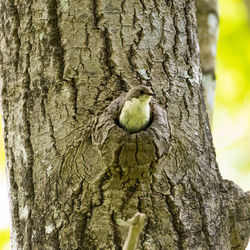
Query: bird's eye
(141, 92)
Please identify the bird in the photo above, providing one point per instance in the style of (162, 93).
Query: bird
(135, 113)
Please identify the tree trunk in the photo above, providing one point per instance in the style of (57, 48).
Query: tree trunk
(247, 3)
(208, 19)
(74, 175)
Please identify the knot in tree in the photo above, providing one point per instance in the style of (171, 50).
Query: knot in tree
(131, 155)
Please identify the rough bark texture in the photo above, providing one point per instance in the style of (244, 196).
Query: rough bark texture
(74, 174)
(208, 20)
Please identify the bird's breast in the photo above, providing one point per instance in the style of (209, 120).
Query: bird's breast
(135, 115)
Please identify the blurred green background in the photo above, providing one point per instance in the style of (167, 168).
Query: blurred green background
(231, 123)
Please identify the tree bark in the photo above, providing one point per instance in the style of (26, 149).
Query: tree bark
(74, 175)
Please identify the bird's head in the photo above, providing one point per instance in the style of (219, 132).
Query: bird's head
(141, 92)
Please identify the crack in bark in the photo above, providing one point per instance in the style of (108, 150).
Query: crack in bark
(156, 7)
(139, 205)
(190, 87)
(96, 97)
(117, 158)
(56, 36)
(180, 118)
(43, 109)
(75, 92)
(83, 231)
(122, 82)
(162, 38)
(189, 36)
(145, 231)
(121, 29)
(176, 37)
(74, 161)
(166, 71)
(130, 57)
(105, 177)
(174, 210)
(123, 6)
(121, 22)
(14, 202)
(52, 134)
(149, 61)
(151, 20)
(186, 105)
(201, 122)
(96, 15)
(144, 7)
(15, 34)
(61, 167)
(116, 236)
(203, 214)
(29, 185)
(166, 97)
(87, 38)
(83, 217)
(169, 3)
(108, 51)
(136, 150)
(157, 152)
(165, 54)
(139, 35)
(135, 18)
(56, 239)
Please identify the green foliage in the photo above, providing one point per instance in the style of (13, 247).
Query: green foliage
(231, 120)
(4, 239)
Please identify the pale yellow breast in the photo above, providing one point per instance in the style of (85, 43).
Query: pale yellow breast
(135, 114)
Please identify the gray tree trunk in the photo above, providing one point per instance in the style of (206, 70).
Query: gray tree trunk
(208, 20)
(247, 3)
(74, 175)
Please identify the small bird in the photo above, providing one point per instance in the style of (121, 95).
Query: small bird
(136, 111)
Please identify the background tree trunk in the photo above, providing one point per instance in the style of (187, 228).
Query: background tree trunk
(75, 176)
(208, 20)
(247, 3)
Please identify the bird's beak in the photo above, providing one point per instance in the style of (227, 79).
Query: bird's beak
(151, 93)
